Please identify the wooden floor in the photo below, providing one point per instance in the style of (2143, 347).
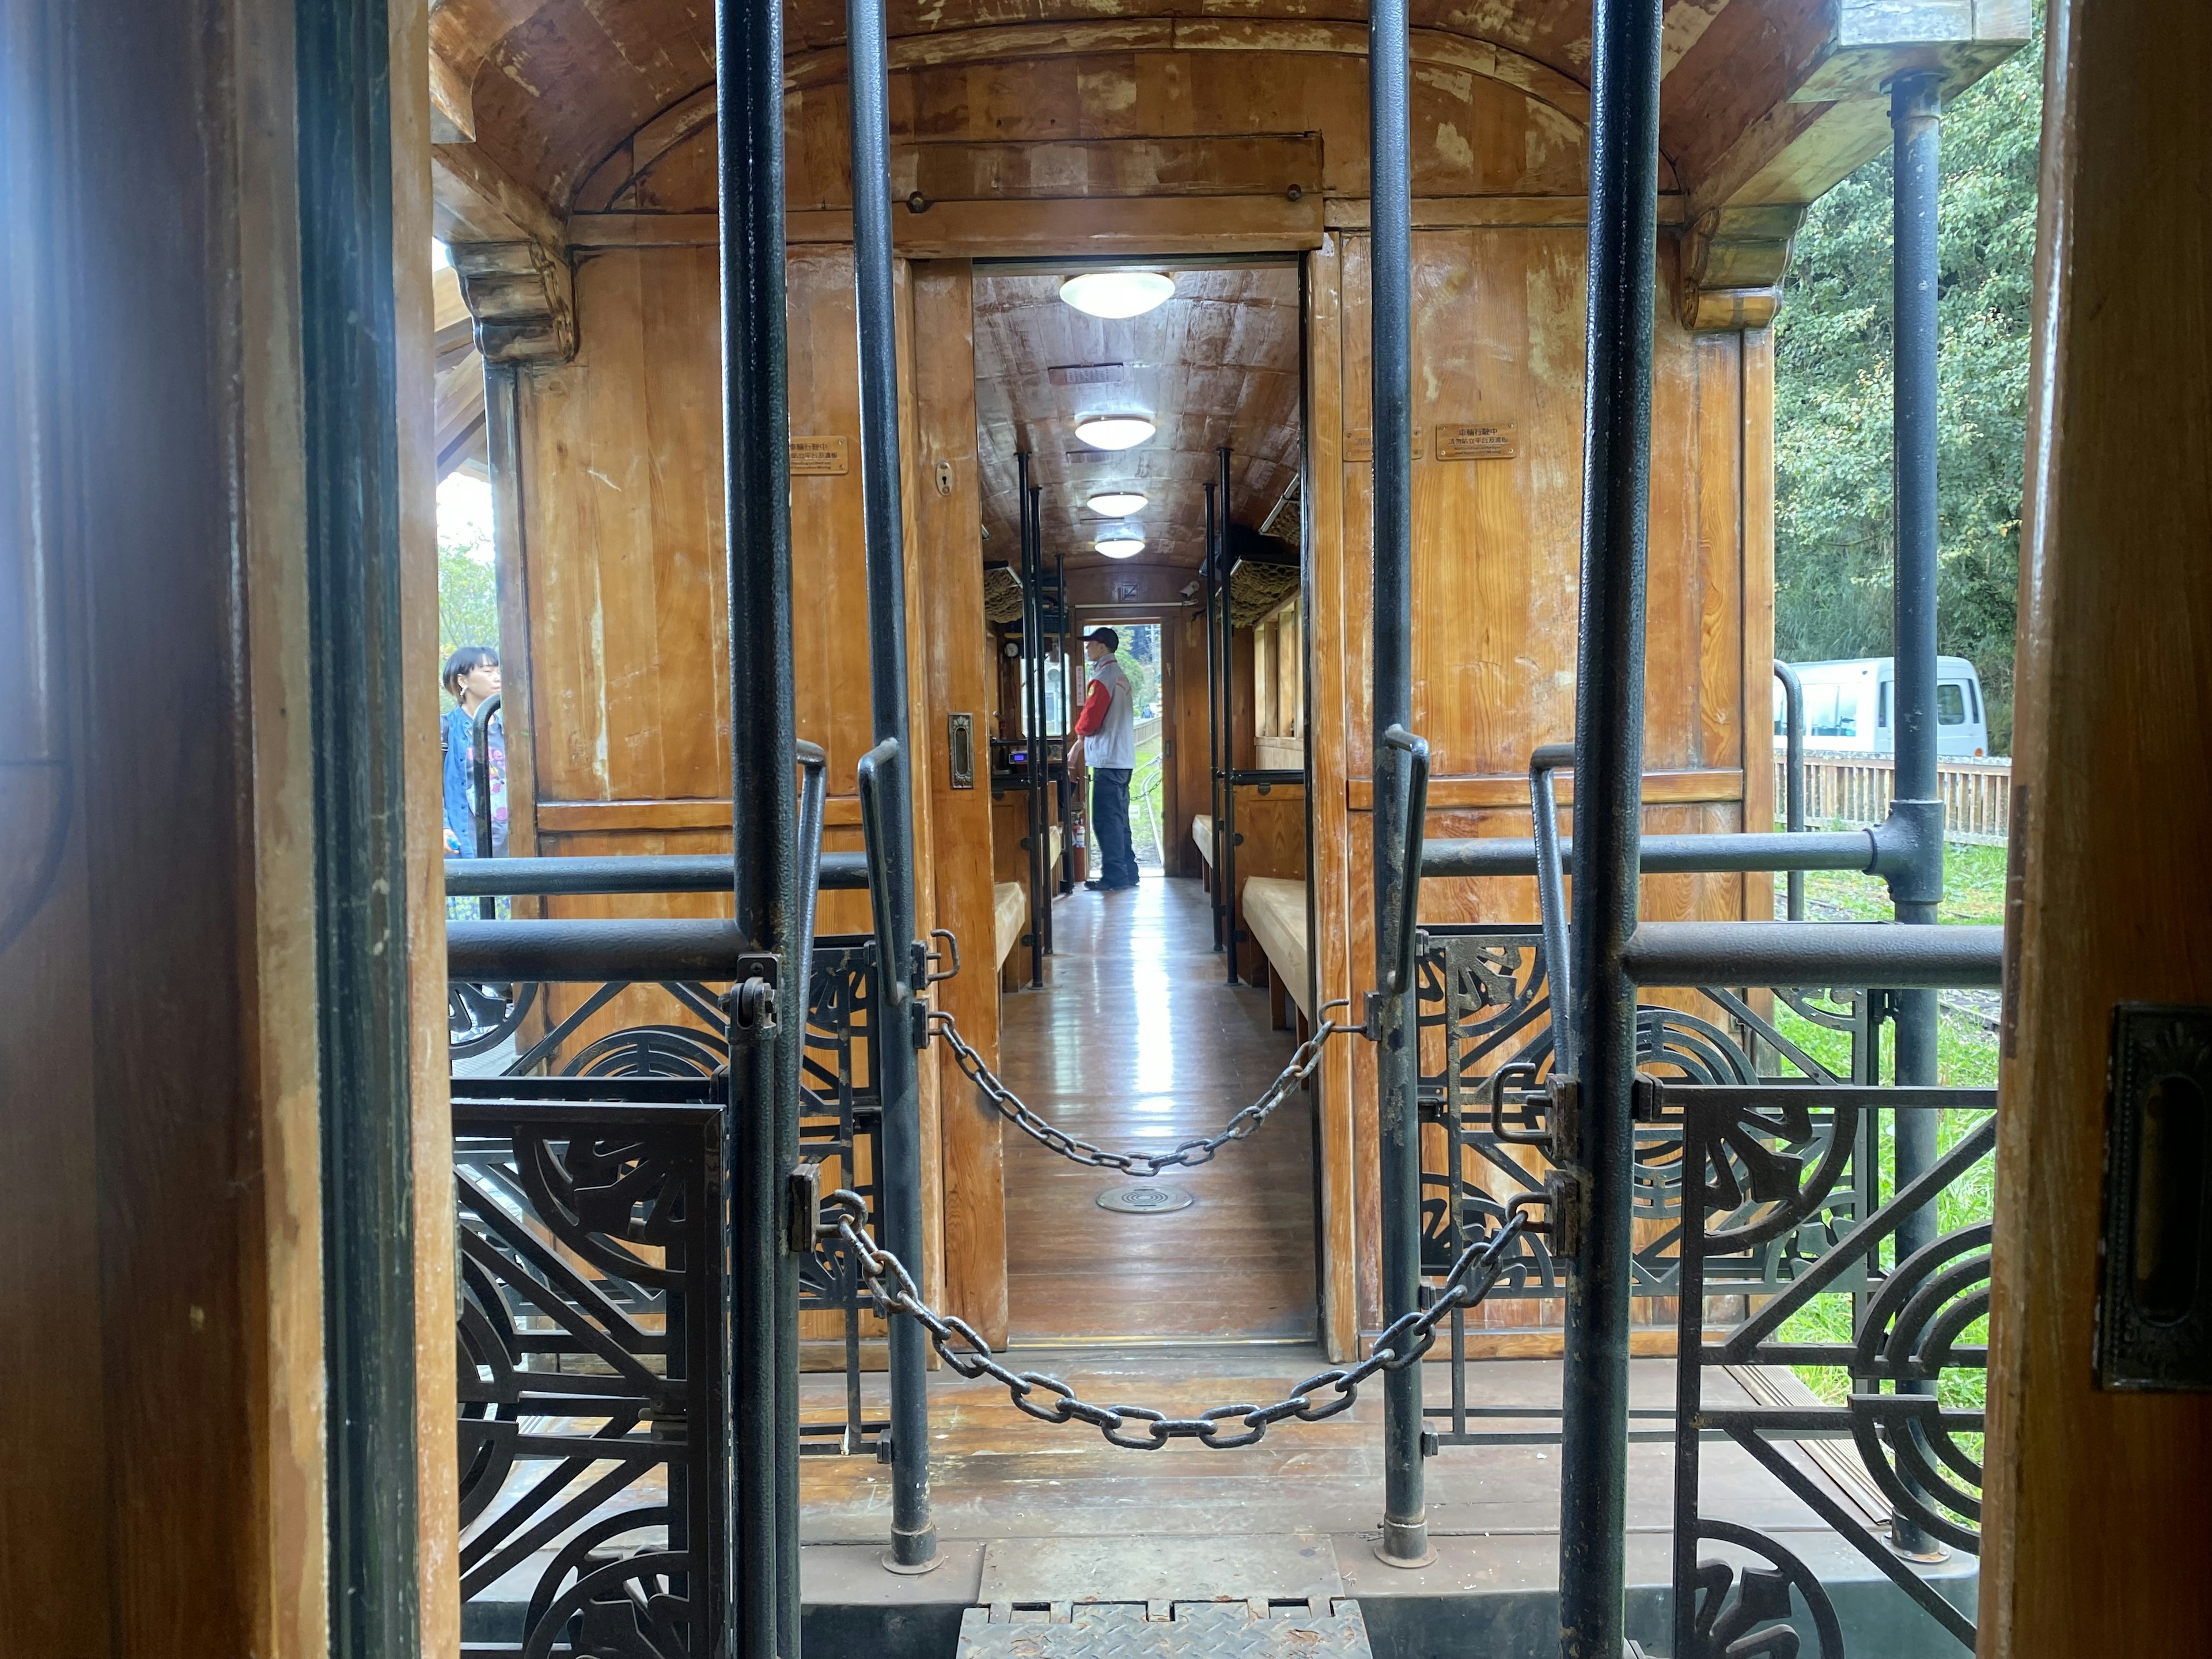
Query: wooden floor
(1137, 1039)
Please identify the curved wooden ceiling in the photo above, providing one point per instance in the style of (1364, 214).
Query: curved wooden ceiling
(1216, 365)
(556, 86)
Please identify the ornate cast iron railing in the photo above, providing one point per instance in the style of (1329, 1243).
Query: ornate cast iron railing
(590, 1292)
(1786, 1258)
(591, 1458)
(1787, 1173)
(839, 1128)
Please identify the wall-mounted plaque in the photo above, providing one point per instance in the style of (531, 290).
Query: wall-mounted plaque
(1496, 441)
(1359, 444)
(819, 457)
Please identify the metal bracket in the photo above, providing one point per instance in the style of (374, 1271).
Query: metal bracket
(927, 976)
(803, 1221)
(750, 1001)
(1561, 1199)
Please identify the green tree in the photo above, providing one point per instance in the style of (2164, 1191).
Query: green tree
(1833, 530)
(468, 601)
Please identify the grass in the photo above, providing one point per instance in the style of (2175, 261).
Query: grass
(1966, 1057)
(1974, 889)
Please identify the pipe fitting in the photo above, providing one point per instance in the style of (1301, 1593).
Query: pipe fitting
(1908, 851)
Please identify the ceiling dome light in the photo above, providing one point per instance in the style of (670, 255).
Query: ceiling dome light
(1115, 503)
(1114, 431)
(1118, 294)
(1125, 543)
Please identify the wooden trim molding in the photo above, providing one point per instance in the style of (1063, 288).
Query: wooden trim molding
(597, 818)
(1684, 789)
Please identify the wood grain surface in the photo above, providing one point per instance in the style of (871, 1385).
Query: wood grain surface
(2095, 1524)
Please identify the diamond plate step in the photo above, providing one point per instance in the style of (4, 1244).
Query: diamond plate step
(1194, 1630)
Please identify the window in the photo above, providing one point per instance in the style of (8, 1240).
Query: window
(1950, 703)
(1882, 706)
(1830, 712)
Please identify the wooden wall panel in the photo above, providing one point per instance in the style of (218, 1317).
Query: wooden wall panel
(2096, 1502)
(621, 527)
(1499, 339)
(953, 659)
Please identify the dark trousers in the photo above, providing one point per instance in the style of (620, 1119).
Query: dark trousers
(1109, 824)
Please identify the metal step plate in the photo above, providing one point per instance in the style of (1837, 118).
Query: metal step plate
(1193, 1629)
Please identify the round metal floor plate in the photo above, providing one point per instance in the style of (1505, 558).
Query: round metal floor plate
(1146, 1198)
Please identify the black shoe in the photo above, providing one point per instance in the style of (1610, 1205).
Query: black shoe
(1095, 884)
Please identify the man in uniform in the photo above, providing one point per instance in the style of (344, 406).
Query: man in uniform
(1108, 727)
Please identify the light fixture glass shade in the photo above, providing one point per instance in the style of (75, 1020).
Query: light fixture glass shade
(1114, 431)
(1115, 503)
(1118, 294)
(1125, 543)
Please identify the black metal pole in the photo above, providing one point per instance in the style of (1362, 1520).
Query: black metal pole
(1915, 113)
(1793, 811)
(1595, 1144)
(1405, 1539)
(894, 1049)
(1214, 765)
(1231, 934)
(1065, 870)
(480, 759)
(760, 1134)
(1033, 726)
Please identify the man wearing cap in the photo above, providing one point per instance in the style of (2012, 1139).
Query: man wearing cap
(1107, 727)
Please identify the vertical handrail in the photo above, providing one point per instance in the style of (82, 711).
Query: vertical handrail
(1226, 825)
(1033, 726)
(1213, 764)
(1793, 784)
(1597, 1142)
(760, 1136)
(813, 801)
(1551, 897)
(1405, 1541)
(1064, 875)
(480, 807)
(896, 1050)
(1405, 931)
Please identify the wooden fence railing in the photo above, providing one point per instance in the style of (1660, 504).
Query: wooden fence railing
(1841, 788)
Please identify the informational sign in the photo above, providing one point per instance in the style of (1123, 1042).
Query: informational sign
(1494, 441)
(819, 457)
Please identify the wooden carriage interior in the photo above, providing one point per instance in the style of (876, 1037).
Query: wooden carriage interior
(237, 1262)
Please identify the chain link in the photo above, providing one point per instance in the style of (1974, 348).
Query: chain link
(1140, 1428)
(1188, 1155)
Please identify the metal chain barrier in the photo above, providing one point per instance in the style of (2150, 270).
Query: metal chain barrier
(1188, 1155)
(1140, 1428)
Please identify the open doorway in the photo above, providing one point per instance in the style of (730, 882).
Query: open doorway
(1163, 452)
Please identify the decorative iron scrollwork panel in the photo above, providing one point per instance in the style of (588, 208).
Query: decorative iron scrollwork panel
(591, 1368)
(1768, 1180)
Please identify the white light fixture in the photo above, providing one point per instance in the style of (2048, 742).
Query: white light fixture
(1118, 294)
(1115, 503)
(1114, 431)
(1125, 542)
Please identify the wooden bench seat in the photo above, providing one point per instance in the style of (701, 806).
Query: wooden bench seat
(1009, 908)
(1275, 917)
(1201, 832)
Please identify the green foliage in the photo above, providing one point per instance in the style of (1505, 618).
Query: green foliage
(468, 603)
(1832, 342)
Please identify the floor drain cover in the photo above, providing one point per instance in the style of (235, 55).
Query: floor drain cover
(1147, 1197)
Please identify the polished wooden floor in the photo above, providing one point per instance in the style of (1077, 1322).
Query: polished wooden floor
(1136, 1040)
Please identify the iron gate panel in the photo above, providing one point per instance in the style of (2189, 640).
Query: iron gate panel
(841, 1112)
(1789, 1204)
(591, 1367)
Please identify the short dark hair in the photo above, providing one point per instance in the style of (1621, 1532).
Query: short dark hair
(1105, 636)
(466, 661)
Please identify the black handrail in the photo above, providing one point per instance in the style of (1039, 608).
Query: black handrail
(891, 969)
(1400, 979)
(1548, 760)
(1793, 703)
(640, 872)
(1715, 854)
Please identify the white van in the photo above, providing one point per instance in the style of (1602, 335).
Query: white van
(1850, 705)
